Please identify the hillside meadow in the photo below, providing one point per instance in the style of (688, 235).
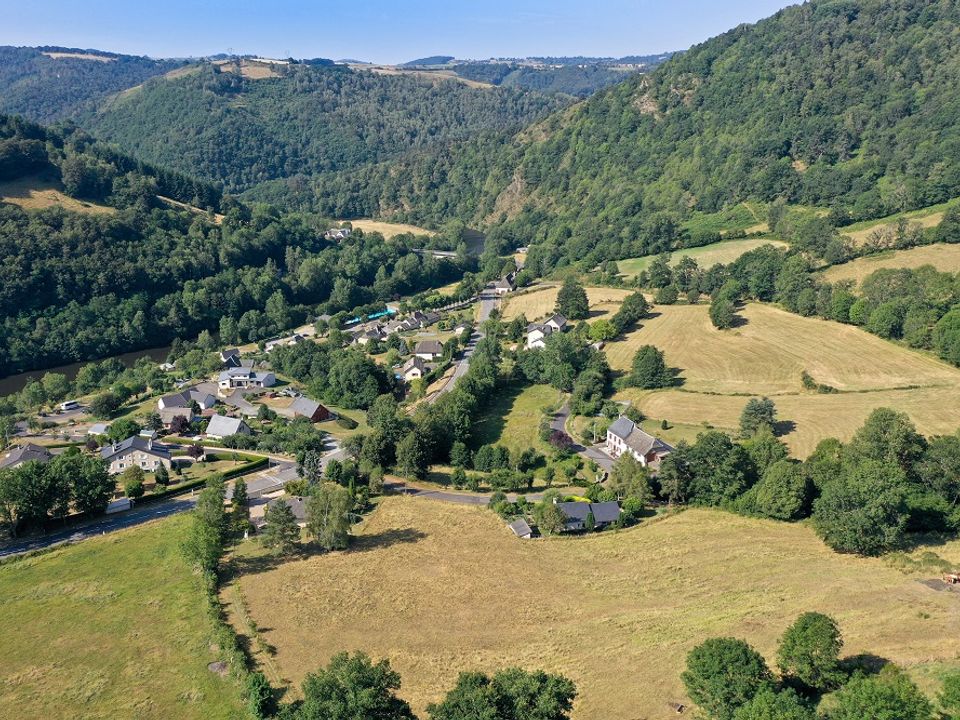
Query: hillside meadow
(723, 252)
(113, 627)
(540, 301)
(944, 257)
(440, 588)
(766, 355)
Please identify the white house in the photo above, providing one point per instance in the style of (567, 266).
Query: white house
(413, 369)
(245, 378)
(135, 451)
(429, 350)
(537, 335)
(623, 435)
(556, 321)
(221, 426)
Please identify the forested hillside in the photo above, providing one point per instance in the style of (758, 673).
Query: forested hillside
(50, 83)
(248, 127)
(138, 273)
(840, 104)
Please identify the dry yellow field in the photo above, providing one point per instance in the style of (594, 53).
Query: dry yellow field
(942, 256)
(432, 75)
(440, 588)
(766, 356)
(33, 193)
(541, 302)
(388, 229)
(707, 256)
(923, 218)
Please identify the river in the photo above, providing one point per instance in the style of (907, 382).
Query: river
(16, 383)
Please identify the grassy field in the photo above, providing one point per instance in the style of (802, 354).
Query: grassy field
(766, 355)
(110, 628)
(541, 302)
(706, 256)
(36, 193)
(746, 216)
(513, 419)
(926, 217)
(388, 229)
(439, 589)
(942, 256)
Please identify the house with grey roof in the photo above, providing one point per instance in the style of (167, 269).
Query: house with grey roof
(429, 350)
(135, 451)
(504, 285)
(245, 378)
(15, 457)
(186, 398)
(537, 334)
(221, 426)
(230, 357)
(624, 435)
(413, 369)
(521, 528)
(303, 406)
(297, 504)
(576, 514)
(557, 321)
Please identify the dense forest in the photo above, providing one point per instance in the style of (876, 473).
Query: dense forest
(45, 89)
(220, 125)
(846, 105)
(81, 286)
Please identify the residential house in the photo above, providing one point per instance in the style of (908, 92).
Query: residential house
(537, 334)
(246, 378)
(186, 398)
(413, 369)
(221, 426)
(168, 414)
(305, 407)
(15, 457)
(504, 285)
(135, 451)
(575, 514)
(148, 433)
(429, 350)
(230, 357)
(272, 345)
(369, 336)
(623, 435)
(337, 233)
(269, 481)
(557, 321)
(297, 504)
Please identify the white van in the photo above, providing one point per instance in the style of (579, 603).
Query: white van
(70, 405)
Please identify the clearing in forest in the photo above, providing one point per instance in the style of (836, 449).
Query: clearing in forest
(388, 229)
(767, 354)
(36, 193)
(113, 627)
(942, 256)
(440, 588)
(706, 256)
(927, 217)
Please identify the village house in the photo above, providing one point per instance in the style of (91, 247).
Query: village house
(504, 285)
(272, 345)
(576, 513)
(521, 528)
(623, 435)
(429, 350)
(221, 426)
(537, 335)
(15, 457)
(245, 378)
(557, 321)
(297, 504)
(135, 451)
(167, 415)
(337, 234)
(413, 369)
(186, 398)
(305, 407)
(230, 357)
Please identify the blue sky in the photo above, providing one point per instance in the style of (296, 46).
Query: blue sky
(386, 31)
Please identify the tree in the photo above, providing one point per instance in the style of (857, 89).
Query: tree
(724, 673)
(328, 515)
(946, 336)
(239, 512)
(889, 695)
(659, 272)
(770, 705)
(352, 687)
(649, 369)
(602, 330)
(782, 493)
(91, 484)
(179, 425)
(55, 386)
(667, 295)
(863, 511)
(203, 545)
(280, 531)
(132, 481)
(161, 476)
(572, 300)
(630, 479)
(756, 413)
(511, 694)
(260, 699)
(950, 696)
(809, 652)
(413, 460)
(311, 467)
(723, 313)
(765, 448)
(889, 437)
(460, 455)
(105, 404)
(676, 474)
(549, 518)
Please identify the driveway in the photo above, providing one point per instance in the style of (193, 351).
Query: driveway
(488, 301)
(593, 452)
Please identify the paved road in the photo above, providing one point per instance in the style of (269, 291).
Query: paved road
(488, 301)
(593, 452)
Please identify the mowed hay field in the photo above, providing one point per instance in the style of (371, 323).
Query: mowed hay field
(766, 355)
(113, 627)
(928, 217)
(542, 301)
(942, 256)
(440, 588)
(388, 229)
(34, 193)
(706, 256)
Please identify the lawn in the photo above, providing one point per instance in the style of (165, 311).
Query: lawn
(706, 256)
(439, 588)
(766, 356)
(513, 418)
(341, 433)
(388, 229)
(113, 627)
(942, 256)
(542, 301)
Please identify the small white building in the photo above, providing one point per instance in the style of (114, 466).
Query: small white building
(537, 335)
